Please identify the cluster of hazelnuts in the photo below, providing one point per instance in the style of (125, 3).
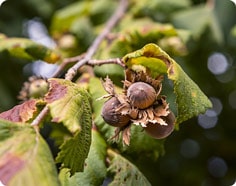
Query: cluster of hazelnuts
(140, 103)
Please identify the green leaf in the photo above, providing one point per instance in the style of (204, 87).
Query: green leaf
(139, 33)
(142, 144)
(159, 10)
(97, 91)
(27, 49)
(125, 173)
(115, 72)
(75, 150)
(97, 11)
(25, 158)
(190, 100)
(206, 17)
(68, 16)
(68, 103)
(95, 170)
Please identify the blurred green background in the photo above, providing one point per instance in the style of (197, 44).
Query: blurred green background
(203, 151)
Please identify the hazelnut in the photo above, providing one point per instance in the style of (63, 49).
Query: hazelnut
(161, 131)
(141, 95)
(35, 87)
(111, 116)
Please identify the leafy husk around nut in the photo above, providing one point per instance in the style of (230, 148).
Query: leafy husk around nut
(35, 87)
(140, 103)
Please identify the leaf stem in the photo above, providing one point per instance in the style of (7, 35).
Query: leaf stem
(92, 62)
(93, 48)
(40, 117)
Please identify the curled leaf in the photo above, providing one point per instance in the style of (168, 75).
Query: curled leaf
(190, 100)
(28, 49)
(21, 113)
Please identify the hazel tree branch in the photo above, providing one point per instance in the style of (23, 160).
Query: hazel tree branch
(93, 48)
(94, 62)
(91, 62)
(65, 62)
(86, 58)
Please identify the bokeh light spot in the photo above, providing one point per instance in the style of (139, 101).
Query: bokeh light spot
(234, 184)
(217, 63)
(217, 167)
(216, 105)
(189, 148)
(1, 1)
(208, 120)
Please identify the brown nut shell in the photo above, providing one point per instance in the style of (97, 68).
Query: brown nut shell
(111, 116)
(141, 95)
(158, 131)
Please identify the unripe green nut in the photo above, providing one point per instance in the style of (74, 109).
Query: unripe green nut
(38, 88)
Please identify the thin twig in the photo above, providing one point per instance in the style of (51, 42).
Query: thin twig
(65, 62)
(40, 117)
(93, 48)
(94, 62)
(83, 59)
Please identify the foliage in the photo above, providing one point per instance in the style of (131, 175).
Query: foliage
(64, 128)
(24, 152)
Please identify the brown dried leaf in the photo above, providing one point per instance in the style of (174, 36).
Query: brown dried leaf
(126, 135)
(162, 109)
(56, 91)
(133, 113)
(21, 113)
(150, 113)
(142, 118)
(158, 120)
(108, 86)
(124, 107)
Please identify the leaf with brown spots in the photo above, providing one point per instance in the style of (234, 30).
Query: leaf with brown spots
(125, 173)
(21, 113)
(66, 101)
(70, 104)
(25, 158)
